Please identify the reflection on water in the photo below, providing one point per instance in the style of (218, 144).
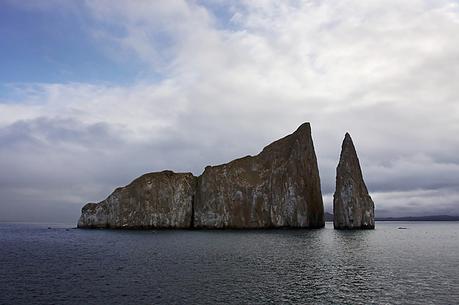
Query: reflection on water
(419, 265)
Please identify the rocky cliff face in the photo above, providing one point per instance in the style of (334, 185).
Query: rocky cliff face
(353, 207)
(280, 187)
(155, 200)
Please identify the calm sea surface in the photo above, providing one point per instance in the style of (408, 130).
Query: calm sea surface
(419, 265)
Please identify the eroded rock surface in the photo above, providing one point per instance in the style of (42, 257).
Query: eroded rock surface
(353, 207)
(155, 200)
(280, 187)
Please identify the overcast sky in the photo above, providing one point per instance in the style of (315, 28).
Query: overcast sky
(96, 93)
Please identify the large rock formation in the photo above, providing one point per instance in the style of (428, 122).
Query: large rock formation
(155, 200)
(353, 207)
(280, 187)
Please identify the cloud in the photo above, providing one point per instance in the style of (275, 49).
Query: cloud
(234, 77)
(418, 202)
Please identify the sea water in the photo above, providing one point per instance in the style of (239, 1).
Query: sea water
(55, 264)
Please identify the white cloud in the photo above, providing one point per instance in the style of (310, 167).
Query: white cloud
(418, 202)
(384, 70)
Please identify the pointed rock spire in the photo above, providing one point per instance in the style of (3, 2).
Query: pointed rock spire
(353, 207)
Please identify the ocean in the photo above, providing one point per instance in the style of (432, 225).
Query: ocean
(55, 264)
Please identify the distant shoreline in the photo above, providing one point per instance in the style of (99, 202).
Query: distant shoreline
(329, 217)
(421, 218)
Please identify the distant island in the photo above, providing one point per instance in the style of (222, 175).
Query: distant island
(329, 217)
(421, 218)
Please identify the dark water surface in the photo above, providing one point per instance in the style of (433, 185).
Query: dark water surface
(419, 265)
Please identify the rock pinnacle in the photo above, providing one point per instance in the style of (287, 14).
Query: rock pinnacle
(353, 207)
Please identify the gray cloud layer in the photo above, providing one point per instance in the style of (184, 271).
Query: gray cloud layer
(386, 71)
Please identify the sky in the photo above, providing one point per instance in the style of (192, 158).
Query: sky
(96, 93)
